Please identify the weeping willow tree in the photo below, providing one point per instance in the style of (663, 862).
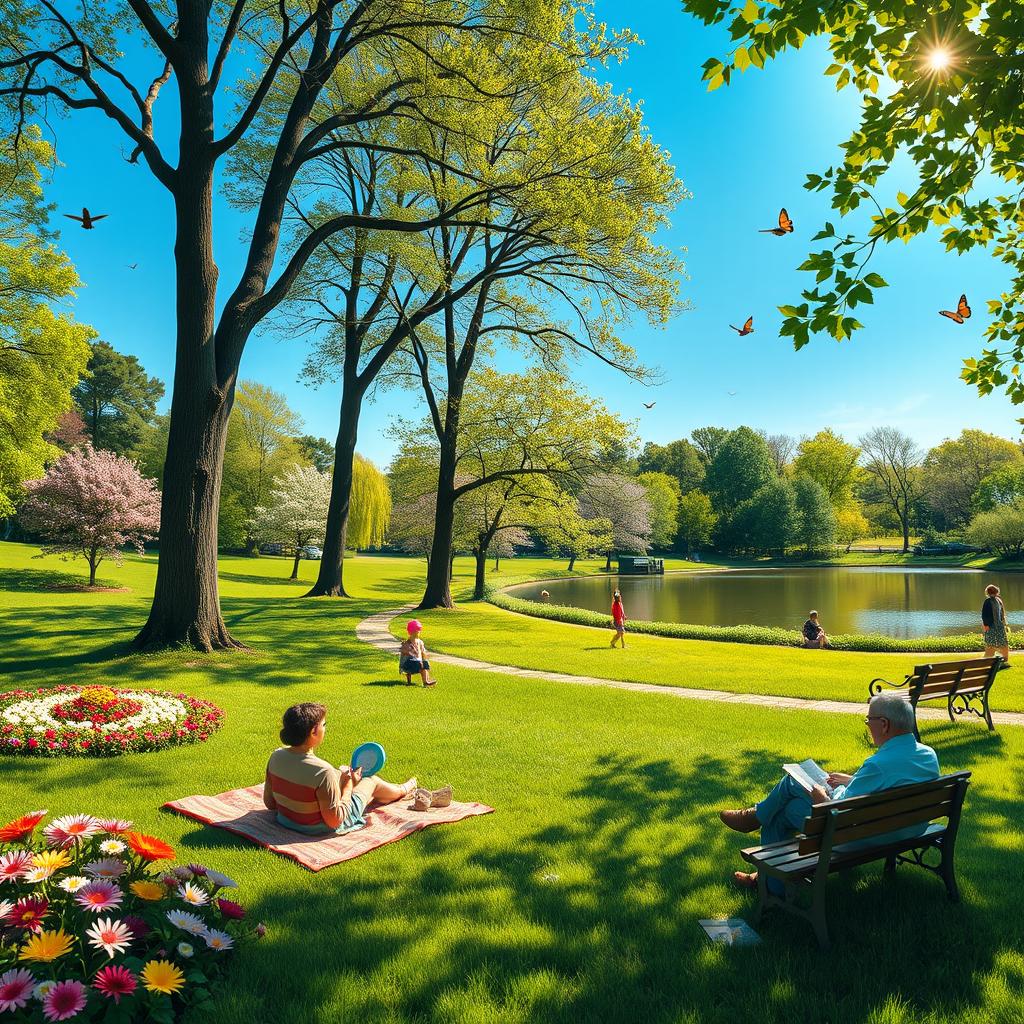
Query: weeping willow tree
(371, 506)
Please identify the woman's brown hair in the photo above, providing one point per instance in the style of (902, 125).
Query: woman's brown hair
(299, 721)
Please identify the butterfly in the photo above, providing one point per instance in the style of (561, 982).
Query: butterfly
(650, 405)
(748, 327)
(87, 220)
(784, 228)
(963, 311)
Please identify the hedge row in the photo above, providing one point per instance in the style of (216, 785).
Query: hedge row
(773, 635)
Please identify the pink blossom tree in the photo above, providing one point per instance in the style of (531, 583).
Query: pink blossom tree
(92, 503)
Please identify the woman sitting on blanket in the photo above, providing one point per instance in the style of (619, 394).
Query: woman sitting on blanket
(312, 796)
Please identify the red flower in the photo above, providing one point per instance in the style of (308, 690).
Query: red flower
(114, 982)
(149, 847)
(231, 909)
(21, 827)
(33, 742)
(27, 913)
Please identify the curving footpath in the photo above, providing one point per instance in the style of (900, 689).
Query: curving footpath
(374, 631)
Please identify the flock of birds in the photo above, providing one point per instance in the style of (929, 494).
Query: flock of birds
(785, 227)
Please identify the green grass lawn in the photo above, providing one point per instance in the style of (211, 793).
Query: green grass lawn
(578, 899)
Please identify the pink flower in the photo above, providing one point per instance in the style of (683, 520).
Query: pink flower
(115, 825)
(15, 989)
(64, 1000)
(109, 867)
(14, 864)
(231, 909)
(99, 895)
(70, 829)
(115, 982)
(109, 935)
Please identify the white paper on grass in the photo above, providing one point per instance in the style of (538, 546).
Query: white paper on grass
(733, 931)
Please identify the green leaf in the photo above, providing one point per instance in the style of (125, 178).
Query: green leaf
(751, 12)
(741, 58)
(875, 280)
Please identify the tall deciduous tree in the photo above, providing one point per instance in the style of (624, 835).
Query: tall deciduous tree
(893, 461)
(317, 451)
(832, 462)
(707, 441)
(296, 510)
(742, 465)
(851, 525)
(273, 63)
(679, 459)
(623, 503)
(116, 398)
(950, 102)
(697, 520)
(92, 504)
(663, 498)
(42, 350)
(815, 521)
(371, 505)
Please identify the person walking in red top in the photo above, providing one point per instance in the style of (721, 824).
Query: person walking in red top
(618, 619)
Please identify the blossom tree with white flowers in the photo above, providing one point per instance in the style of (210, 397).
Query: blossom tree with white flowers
(297, 509)
(92, 503)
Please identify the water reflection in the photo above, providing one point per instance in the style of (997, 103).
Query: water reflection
(892, 600)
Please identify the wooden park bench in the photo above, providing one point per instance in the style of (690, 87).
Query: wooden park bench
(963, 685)
(803, 864)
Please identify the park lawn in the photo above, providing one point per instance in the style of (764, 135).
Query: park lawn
(579, 898)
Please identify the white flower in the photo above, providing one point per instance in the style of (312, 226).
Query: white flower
(218, 941)
(109, 846)
(42, 990)
(191, 893)
(186, 922)
(220, 881)
(73, 883)
(185, 950)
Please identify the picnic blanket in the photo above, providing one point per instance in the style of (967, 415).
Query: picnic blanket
(241, 811)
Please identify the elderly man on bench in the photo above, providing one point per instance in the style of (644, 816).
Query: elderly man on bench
(900, 760)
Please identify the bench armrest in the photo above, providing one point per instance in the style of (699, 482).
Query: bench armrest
(875, 686)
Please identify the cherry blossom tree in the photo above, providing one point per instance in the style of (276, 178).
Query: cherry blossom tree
(297, 510)
(624, 501)
(92, 503)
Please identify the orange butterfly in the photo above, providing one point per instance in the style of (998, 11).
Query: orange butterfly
(748, 327)
(784, 228)
(963, 311)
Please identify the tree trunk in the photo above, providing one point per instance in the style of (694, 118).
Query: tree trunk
(330, 577)
(481, 567)
(438, 592)
(608, 563)
(92, 568)
(572, 563)
(496, 560)
(906, 530)
(186, 605)
(295, 564)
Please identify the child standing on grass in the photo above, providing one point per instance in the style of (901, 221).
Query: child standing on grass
(413, 655)
(618, 620)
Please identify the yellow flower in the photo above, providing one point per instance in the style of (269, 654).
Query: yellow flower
(148, 890)
(46, 946)
(162, 976)
(51, 860)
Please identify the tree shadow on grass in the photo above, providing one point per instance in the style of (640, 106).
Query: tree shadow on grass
(43, 580)
(595, 918)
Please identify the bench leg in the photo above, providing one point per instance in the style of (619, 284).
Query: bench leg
(817, 916)
(762, 898)
(948, 875)
(988, 712)
(890, 864)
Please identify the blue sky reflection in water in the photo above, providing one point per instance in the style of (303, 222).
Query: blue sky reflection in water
(894, 601)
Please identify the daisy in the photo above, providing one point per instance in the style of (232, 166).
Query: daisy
(46, 946)
(27, 913)
(185, 949)
(53, 860)
(148, 890)
(193, 894)
(109, 935)
(64, 1000)
(109, 867)
(42, 990)
(70, 829)
(162, 976)
(6, 906)
(109, 846)
(218, 941)
(115, 982)
(148, 847)
(231, 909)
(21, 827)
(220, 881)
(34, 875)
(186, 922)
(73, 883)
(14, 864)
(115, 826)
(99, 895)
(15, 989)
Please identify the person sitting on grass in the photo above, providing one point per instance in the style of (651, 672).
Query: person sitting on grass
(412, 657)
(814, 635)
(312, 796)
(899, 761)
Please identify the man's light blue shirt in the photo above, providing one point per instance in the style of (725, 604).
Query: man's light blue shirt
(897, 762)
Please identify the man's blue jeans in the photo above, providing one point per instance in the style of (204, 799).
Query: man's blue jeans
(781, 814)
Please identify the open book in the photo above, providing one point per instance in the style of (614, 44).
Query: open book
(808, 774)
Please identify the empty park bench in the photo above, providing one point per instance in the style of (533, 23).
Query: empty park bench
(963, 685)
(803, 864)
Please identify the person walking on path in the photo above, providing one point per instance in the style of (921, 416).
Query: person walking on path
(993, 619)
(413, 655)
(618, 620)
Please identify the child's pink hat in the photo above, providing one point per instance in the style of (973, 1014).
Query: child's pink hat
(415, 626)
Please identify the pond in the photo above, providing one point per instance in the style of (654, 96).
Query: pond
(892, 600)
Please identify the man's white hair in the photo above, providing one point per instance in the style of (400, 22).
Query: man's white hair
(897, 710)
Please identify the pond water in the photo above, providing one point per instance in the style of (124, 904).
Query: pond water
(891, 600)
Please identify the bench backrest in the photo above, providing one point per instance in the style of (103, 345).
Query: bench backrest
(952, 677)
(876, 814)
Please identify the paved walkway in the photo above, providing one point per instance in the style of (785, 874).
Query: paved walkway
(374, 631)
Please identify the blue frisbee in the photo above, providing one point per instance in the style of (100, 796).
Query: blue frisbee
(370, 757)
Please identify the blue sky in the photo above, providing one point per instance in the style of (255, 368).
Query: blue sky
(743, 152)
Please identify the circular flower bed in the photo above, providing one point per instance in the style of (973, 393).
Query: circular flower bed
(101, 721)
(91, 928)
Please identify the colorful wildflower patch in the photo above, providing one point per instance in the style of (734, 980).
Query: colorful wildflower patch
(101, 721)
(98, 924)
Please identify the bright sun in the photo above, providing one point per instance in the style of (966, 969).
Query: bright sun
(939, 59)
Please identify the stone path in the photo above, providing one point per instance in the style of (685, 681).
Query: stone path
(374, 631)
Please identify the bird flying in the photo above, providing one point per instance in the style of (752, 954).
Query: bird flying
(650, 405)
(87, 220)
(748, 327)
(784, 228)
(963, 311)
(133, 266)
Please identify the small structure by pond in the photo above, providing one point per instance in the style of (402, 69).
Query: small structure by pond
(640, 565)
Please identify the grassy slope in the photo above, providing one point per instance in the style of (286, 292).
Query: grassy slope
(578, 899)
